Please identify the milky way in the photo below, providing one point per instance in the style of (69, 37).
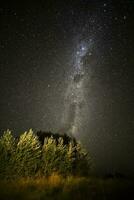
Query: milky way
(67, 66)
(75, 102)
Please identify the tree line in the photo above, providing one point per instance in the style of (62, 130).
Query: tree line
(40, 154)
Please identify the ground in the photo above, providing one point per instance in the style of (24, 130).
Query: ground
(57, 187)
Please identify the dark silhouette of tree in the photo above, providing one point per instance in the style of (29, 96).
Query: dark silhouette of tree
(66, 139)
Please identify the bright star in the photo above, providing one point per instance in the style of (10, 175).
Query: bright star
(83, 48)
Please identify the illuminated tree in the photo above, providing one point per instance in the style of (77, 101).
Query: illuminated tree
(64, 159)
(28, 154)
(71, 156)
(7, 151)
(83, 161)
(54, 156)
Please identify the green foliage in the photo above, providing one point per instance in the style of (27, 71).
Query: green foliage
(83, 161)
(79, 159)
(7, 151)
(26, 156)
(54, 156)
(65, 159)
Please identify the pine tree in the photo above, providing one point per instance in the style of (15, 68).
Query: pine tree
(61, 157)
(54, 156)
(28, 154)
(49, 155)
(7, 151)
(26, 157)
(71, 157)
(83, 161)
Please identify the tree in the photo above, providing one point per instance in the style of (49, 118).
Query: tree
(54, 156)
(28, 154)
(83, 161)
(7, 151)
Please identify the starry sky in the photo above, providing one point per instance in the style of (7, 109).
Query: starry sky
(67, 66)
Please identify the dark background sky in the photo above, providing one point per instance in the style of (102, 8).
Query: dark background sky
(38, 44)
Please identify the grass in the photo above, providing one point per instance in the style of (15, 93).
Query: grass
(56, 187)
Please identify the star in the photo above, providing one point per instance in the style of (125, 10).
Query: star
(83, 48)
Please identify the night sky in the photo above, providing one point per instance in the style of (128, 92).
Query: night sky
(68, 66)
